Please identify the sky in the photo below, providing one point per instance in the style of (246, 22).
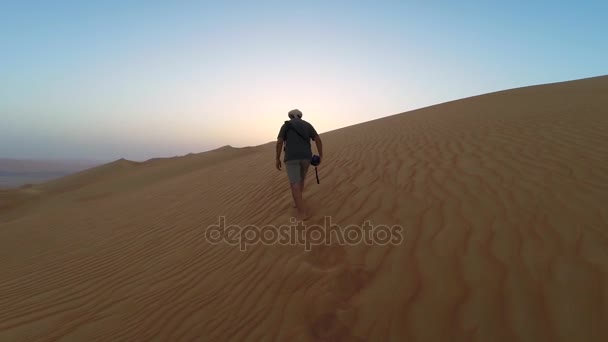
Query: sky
(141, 79)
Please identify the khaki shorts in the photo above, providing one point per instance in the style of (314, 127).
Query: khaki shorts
(297, 169)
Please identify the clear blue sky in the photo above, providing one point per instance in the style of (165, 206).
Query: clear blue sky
(142, 79)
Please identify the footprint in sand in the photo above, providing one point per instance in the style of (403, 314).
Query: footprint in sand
(326, 257)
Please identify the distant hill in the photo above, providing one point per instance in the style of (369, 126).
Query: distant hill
(18, 172)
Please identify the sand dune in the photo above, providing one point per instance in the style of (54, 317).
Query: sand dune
(18, 172)
(502, 198)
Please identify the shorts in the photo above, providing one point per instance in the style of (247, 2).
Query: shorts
(297, 169)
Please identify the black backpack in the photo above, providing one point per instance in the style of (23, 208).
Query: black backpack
(289, 126)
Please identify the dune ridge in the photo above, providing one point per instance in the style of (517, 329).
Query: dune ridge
(501, 196)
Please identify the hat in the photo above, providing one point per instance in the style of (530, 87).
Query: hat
(294, 113)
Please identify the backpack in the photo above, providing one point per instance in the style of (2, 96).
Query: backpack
(289, 126)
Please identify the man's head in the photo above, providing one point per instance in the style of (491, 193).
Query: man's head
(295, 113)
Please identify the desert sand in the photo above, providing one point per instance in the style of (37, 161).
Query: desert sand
(503, 200)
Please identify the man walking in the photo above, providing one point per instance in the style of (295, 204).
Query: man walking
(295, 134)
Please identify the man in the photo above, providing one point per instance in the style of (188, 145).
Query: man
(296, 134)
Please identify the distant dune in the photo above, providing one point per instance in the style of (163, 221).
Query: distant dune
(18, 172)
(502, 198)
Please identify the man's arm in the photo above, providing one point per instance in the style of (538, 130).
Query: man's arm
(319, 144)
(315, 136)
(280, 140)
(278, 152)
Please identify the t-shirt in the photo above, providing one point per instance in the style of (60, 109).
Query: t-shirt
(296, 146)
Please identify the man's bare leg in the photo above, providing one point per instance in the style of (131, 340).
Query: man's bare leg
(303, 171)
(295, 205)
(296, 192)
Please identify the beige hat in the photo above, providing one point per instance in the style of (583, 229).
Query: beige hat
(294, 113)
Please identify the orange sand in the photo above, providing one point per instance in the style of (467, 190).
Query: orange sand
(503, 199)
